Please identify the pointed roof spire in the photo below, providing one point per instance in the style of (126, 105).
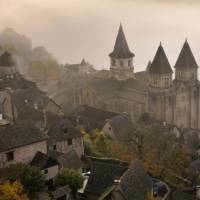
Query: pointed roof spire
(121, 48)
(160, 64)
(83, 62)
(186, 58)
(148, 65)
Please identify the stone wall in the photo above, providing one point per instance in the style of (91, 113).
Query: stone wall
(23, 154)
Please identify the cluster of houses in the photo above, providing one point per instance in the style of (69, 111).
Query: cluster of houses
(34, 130)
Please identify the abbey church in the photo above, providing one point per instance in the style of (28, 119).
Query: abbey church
(154, 91)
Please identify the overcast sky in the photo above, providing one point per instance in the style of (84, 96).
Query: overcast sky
(72, 29)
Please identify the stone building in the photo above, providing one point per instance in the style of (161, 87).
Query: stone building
(20, 143)
(153, 91)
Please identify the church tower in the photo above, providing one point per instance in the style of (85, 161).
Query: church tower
(121, 59)
(186, 66)
(160, 71)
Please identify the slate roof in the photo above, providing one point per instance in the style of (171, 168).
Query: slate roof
(103, 174)
(121, 49)
(119, 124)
(61, 191)
(96, 114)
(135, 183)
(69, 159)
(30, 96)
(160, 63)
(21, 134)
(6, 60)
(15, 83)
(43, 161)
(186, 58)
(56, 126)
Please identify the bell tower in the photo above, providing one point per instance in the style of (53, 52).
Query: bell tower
(121, 58)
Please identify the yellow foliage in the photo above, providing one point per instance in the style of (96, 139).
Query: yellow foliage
(12, 191)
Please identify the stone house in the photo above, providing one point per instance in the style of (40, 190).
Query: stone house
(117, 125)
(48, 165)
(20, 142)
(63, 136)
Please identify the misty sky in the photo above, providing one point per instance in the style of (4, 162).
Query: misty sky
(72, 29)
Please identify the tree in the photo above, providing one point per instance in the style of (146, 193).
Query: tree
(12, 191)
(31, 178)
(70, 177)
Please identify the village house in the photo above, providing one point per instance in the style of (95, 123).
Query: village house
(20, 142)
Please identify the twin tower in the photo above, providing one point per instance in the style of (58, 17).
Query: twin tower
(159, 71)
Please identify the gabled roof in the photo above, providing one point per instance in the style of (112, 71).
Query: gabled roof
(186, 58)
(160, 64)
(135, 183)
(43, 161)
(121, 48)
(69, 159)
(20, 134)
(103, 174)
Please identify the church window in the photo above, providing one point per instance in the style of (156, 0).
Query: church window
(10, 156)
(113, 62)
(121, 63)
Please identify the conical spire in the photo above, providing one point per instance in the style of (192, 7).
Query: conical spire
(121, 49)
(160, 64)
(186, 58)
(148, 66)
(83, 62)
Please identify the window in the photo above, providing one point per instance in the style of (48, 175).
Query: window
(54, 147)
(10, 156)
(65, 130)
(113, 62)
(46, 171)
(129, 63)
(121, 63)
(69, 141)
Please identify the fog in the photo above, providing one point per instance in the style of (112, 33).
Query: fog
(73, 29)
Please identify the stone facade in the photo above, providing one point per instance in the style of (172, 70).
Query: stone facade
(67, 145)
(22, 154)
